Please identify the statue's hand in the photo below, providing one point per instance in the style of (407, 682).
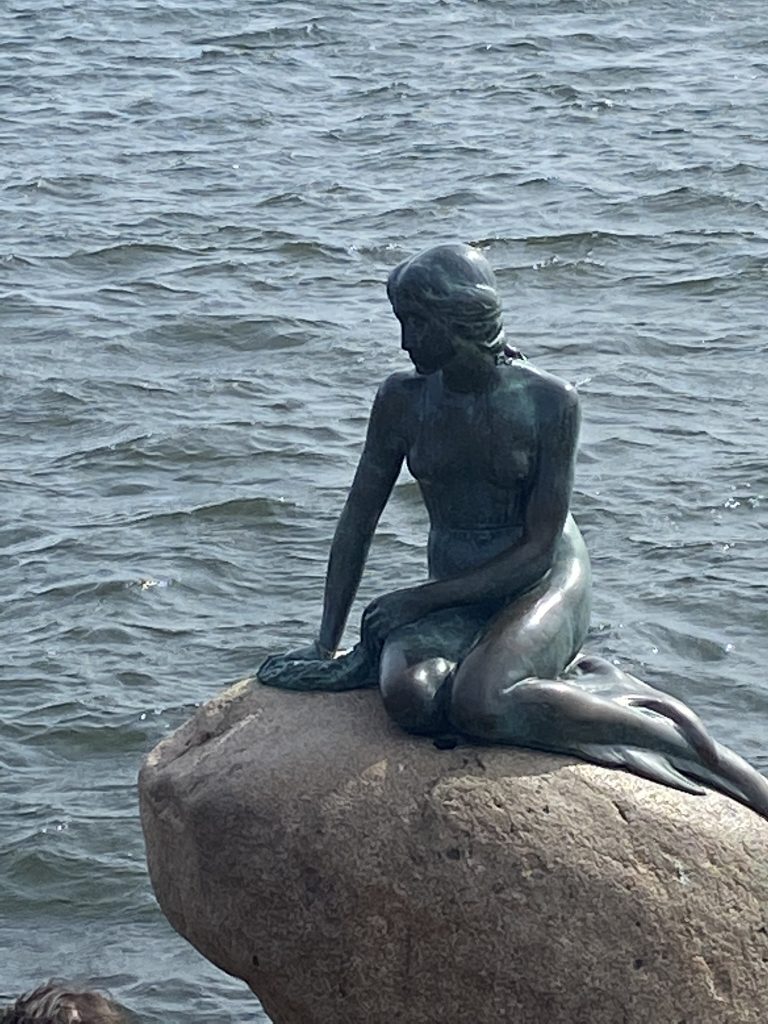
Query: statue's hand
(386, 613)
(312, 652)
(278, 666)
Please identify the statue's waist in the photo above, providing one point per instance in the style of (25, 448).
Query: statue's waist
(456, 549)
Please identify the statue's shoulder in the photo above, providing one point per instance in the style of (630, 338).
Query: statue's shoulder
(399, 387)
(393, 405)
(543, 386)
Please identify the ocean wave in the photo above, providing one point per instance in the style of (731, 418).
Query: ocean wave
(258, 511)
(198, 226)
(277, 34)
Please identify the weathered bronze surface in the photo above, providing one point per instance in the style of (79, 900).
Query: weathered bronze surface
(488, 647)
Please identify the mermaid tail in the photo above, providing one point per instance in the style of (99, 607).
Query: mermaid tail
(611, 718)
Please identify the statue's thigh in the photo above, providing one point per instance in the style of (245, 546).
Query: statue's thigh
(535, 636)
(449, 634)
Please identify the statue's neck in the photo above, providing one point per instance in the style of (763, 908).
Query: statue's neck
(469, 373)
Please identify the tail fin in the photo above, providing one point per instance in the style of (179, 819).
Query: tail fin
(689, 723)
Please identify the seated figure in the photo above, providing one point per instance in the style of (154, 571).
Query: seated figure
(489, 645)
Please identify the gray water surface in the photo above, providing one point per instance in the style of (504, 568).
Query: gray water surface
(200, 202)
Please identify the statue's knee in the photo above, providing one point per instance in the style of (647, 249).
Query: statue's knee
(415, 697)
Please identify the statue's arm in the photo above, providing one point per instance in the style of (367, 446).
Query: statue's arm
(516, 570)
(376, 474)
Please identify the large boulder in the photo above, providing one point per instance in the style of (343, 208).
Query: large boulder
(352, 874)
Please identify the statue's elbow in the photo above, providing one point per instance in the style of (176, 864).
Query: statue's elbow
(542, 556)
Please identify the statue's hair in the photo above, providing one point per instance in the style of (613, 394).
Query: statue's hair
(456, 285)
(58, 1003)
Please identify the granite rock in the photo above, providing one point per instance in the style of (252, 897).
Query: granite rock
(352, 874)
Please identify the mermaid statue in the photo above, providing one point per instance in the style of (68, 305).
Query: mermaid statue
(488, 647)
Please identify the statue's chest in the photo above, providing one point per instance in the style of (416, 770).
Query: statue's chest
(476, 438)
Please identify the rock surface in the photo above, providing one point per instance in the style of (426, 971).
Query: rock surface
(351, 874)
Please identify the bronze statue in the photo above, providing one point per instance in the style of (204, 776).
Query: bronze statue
(488, 647)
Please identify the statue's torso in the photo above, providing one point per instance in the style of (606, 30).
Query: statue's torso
(473, 456)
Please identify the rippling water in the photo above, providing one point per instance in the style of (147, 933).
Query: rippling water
(200, 203)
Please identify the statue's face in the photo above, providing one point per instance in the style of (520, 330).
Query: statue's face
(425, 339)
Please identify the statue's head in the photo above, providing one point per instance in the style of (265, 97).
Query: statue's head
(57, 1003)
(452, 286)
